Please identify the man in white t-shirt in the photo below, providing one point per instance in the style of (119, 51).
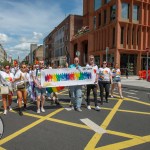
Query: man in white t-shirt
(92, 87)
(39, 90)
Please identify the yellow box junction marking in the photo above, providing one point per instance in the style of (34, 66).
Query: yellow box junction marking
(92, 143)
(10, 137)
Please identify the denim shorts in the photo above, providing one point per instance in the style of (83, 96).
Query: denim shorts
(40, 92)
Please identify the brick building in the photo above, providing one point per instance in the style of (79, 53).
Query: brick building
(118, 28)
(57, 47)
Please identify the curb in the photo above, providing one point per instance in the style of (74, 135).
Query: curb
(136, 88)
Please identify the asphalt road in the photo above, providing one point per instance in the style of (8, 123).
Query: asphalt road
(126, 123)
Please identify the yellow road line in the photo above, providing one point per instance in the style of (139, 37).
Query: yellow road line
(69, 123)
(12, 136)
(134, 112)
(140, 102)
(126, 135)
(126, 144)
(92, 143)
(1, 148)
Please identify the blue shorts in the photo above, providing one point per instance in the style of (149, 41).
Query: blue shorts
(40, 92)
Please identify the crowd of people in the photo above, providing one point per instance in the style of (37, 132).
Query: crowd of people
(26, 81)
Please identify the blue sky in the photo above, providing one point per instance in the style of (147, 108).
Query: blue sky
(25, 21)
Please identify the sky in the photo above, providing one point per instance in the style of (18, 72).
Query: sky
(23, 22)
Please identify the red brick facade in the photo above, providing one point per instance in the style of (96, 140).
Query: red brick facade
(126, 38)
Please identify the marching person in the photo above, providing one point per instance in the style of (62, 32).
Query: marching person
(21, 79)
(92, 87)
(8, 79)
(39, 90)
(76, 91)
(105, 78)
(31, 83)
(116, 78)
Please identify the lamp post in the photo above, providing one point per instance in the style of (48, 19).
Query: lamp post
(107, 49)
(147, 52)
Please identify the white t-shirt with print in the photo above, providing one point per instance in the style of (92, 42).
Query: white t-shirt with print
(95, 67)
(25, 76)
(104, 74)
(37, 76)
(116, 73)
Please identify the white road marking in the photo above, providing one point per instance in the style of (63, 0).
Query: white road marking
(133, 90)
(68, 109)
(133, 97)
(93, 126)
(129, 93)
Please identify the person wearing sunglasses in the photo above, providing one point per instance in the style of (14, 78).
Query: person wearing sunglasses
(76, 91)
(9, 79)
(105, 78)
(21, 79)
(39, 90)
(116, 77)
(92, 87)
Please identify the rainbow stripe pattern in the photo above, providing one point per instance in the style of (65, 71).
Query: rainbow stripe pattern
(68, 76)
(54, 89)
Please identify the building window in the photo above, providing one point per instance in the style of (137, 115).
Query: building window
(114, 36)
(125, 10)
(122, 31)
(105, 16)
(94, 21)
(99, 19)
(132, 35)
(113, 12)
(135, 12)
(106, 1)
(97, 4)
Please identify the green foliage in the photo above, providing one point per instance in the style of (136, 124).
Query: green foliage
(5, 63)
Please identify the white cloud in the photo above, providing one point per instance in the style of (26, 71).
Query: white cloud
(25, 22)
(3, 38)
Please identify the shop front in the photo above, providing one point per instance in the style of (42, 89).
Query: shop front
(128, 61)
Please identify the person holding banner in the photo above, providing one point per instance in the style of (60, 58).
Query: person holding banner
(76, 91)
(92, 86)
(8, 79)
(105, 78)
(39, 90)
(21, 80)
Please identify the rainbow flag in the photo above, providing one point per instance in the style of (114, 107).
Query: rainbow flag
(54, 89)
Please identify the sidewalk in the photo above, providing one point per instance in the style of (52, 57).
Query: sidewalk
(133, 82)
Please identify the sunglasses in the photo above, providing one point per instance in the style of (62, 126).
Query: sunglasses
(104, 63)
(23, 67)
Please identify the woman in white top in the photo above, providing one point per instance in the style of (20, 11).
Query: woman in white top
(105, 78)
(21, 79)
(9, 79)
(31, 83)
(116, 77)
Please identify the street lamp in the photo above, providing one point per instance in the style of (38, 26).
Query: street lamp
(147, 51)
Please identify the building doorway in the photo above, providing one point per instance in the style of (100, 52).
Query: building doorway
(128, 61)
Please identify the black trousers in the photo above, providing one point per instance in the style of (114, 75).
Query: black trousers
(102, 86)
(92, 87)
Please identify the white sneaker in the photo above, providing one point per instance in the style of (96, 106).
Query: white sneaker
(42, 109)
(38, 111)
(112, 96)
(10, 108)
(5, 112)
(89, 107)
(49, 98)
(121, 97)
(23, 102)
(97, 108)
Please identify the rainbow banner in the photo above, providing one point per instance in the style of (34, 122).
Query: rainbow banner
(54, 89)
(67, 77)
